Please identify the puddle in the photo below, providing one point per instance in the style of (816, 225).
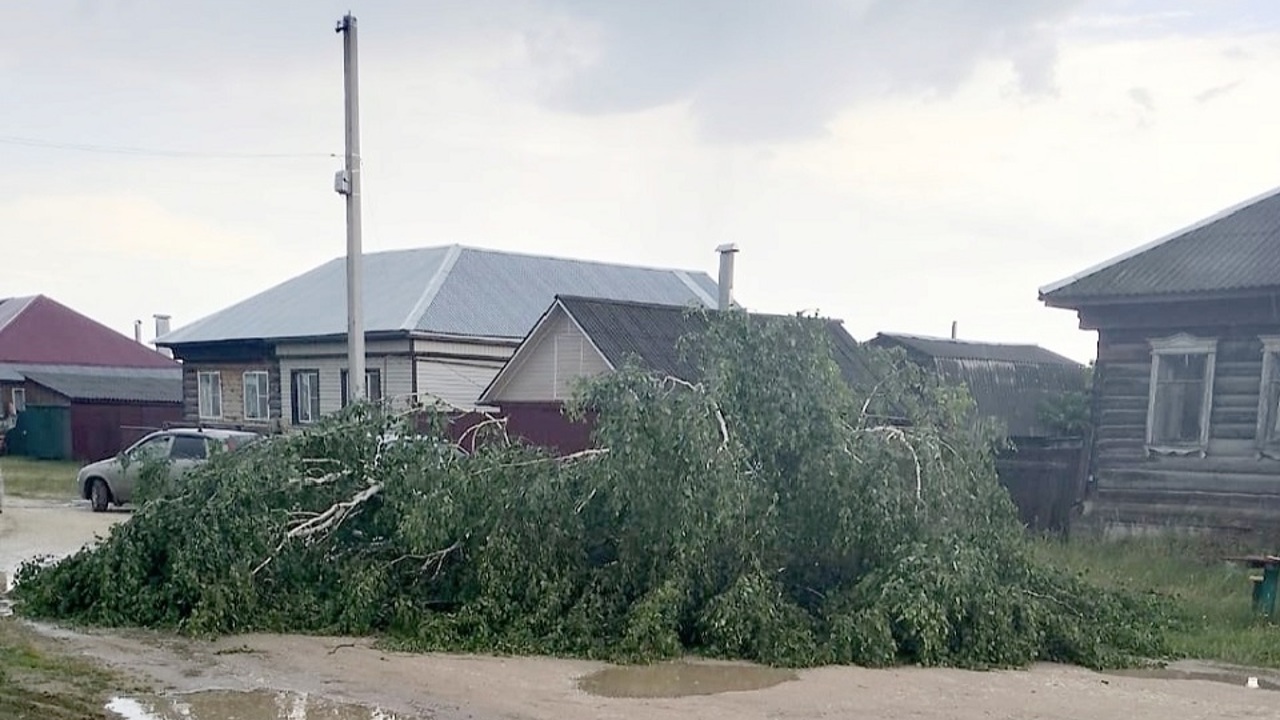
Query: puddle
(1229, 677)
(226, 705)
(678, 679)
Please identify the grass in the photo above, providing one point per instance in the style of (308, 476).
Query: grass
(1217, 623)
(40, 681)
(38, 478)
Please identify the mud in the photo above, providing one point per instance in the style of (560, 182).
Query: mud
(681, 679)
(261, 705)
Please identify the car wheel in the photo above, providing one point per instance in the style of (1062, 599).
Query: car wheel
(99, 495)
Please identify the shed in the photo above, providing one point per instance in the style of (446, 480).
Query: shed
(71, 388)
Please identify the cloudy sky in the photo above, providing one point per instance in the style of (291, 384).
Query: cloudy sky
(899, 164)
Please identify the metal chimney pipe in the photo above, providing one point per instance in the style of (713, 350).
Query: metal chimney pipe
(137, 331)
(727, 251)
(162, 329)
(953, 329)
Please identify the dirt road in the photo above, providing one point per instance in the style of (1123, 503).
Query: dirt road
(445, 686)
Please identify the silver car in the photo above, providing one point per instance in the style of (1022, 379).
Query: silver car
(112, 481)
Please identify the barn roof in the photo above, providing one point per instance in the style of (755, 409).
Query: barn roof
(449, 290)
(1007, 382)
(650, 333)
(39, 330)
(1237, 249)
(97, 383)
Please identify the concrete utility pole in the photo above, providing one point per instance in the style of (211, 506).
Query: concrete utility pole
(348, 183)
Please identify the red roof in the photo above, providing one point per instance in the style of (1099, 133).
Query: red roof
(38, 330)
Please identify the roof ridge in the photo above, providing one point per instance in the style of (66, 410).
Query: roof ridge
(432, 288)
(1220, 215)
(958, 341)
(580, 260)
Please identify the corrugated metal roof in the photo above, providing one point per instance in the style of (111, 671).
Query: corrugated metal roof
(40, 330)
(1236, 249)
(449, 290)
(83, 386)
(651, 333)
(936, 347)
(1007, 382)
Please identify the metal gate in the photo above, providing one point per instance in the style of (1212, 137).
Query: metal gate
(42, 432)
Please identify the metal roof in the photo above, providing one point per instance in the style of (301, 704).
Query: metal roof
(105, 387)
(1007, 382)
(1234, 250)
(40, 330)
(650, 334)
(448, 290)
(936, 347)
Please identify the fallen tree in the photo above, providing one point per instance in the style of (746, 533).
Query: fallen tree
(763, 510)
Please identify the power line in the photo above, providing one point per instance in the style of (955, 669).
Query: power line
(151, 152)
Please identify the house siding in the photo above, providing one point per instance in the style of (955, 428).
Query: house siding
(549, 368)
(1232, 489)
(457, 382)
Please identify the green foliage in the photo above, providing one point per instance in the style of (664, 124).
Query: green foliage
(766, 512)
(1069, 413)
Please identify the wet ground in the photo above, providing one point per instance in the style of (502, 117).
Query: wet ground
(279, 677)
(31, 527)
(260, 705)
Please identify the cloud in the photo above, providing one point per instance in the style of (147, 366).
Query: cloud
(1142, 97)
(1216, 91)
(769, 71)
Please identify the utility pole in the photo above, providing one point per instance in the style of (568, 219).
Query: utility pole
(348, 183)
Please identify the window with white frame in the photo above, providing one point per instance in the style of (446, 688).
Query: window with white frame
(257, 395)
(210, 395)
(19, 400)
(1269, 395)
(306, 396)
(1180, 401)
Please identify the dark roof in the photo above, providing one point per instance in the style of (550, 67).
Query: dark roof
(1237, 249)
(650, 333)
(39, 330)
(449, 290)
(1007, 382)
(90, 386)
(968, 350)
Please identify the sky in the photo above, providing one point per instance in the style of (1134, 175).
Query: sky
(898, 164)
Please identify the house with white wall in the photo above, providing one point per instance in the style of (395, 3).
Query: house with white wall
(440, 322)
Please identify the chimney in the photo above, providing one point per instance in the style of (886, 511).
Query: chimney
(953, 329)
(162, 329)
(137, 331)
(727, 251)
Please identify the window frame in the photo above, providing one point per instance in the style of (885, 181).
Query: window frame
(200, 405)
(264, 399)
(1267, 436)
(1182, 344)
(313, 375)
(372, 379)
(18, 405)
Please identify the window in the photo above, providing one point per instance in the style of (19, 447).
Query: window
(152, 448)
(257, 395)
(19, 400)
(210, 395)
(1269, 395)
(1181, 394)
(306, 396)
(188, 447)
(372, 385)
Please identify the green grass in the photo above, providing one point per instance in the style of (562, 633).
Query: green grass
(38, 478)
(41, 681)
(1215, 596)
